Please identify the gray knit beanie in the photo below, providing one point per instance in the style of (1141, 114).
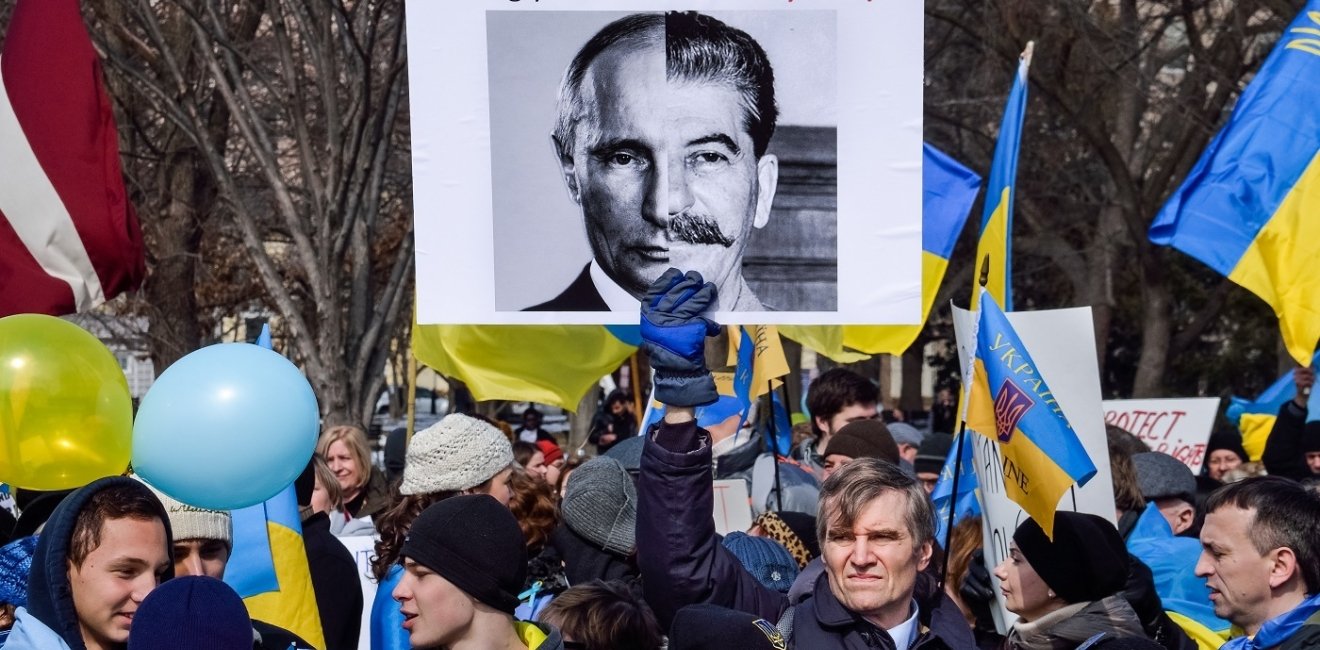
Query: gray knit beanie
(600, 504)
(456, 453)
(191, 522)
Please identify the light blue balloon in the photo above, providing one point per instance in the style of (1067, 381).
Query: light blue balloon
(226, 427)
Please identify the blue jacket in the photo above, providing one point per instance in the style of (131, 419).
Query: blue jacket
(387, 631)
(683, 562)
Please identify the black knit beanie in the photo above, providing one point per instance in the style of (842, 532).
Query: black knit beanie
(1086, 561)
(863, 439)
(1230, 440)
(1311, 437)
(475, 543)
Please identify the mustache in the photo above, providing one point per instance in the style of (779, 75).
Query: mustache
(696, 228)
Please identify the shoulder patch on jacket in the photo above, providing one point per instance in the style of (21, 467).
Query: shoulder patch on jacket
(771, 633)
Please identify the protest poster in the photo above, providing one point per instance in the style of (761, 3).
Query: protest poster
(542, 228)
(362, 547)
(733, 510)
(1074, 378)
(1179, 427)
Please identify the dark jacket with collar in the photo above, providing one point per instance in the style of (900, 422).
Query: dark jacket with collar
(682, 561)
(50, 595)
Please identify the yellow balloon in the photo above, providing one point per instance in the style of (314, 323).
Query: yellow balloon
(66, 416)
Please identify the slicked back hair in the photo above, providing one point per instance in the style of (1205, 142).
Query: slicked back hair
(847, 492)
(1285, 514)
(835, 389)
(698, 48)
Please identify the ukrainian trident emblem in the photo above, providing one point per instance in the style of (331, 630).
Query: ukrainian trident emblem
(1010, 405)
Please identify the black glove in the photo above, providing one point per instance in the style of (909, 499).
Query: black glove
(978, 591)
(674, 334)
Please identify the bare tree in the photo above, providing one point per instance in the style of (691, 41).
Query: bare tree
(278, 131)
(1126, 94)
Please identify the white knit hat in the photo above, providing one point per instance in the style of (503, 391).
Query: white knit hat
(191, 522)
(456, 453)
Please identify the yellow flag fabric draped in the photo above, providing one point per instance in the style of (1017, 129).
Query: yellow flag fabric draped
(547, 364)
(768, 362)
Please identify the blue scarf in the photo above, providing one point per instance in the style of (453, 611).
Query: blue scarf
(1278, 629)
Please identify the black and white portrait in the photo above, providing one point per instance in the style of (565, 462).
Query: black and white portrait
(620, 144)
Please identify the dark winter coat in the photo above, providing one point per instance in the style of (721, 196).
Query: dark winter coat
(1284, 453)
(683, 562)
(335, 581)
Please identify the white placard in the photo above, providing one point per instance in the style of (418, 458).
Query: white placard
(1179, 427)
(498, 229)
(733, 511)
(363, 547)
(1073, 376)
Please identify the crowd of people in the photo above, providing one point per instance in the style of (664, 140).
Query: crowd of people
(491, 537)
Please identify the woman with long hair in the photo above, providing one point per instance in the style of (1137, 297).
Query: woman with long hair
(364, 489)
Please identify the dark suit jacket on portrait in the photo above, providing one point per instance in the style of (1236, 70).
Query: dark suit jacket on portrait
(579, 296)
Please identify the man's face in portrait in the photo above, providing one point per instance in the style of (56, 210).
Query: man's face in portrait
(665, 172)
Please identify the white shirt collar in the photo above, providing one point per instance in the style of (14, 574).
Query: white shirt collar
(614, 295)
(905, 633)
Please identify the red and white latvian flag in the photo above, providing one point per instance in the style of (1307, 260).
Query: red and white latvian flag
(69, 239)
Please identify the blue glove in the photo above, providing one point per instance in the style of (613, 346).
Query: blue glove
(674, 334)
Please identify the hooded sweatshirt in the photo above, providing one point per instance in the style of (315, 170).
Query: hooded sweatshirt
(50, 621)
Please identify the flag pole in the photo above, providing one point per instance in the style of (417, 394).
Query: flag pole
(636, 380)
(774, 443)
(953, 504)
(958, 457)
(412, 396)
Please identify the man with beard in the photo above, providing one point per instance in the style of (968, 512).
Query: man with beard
(664, 122)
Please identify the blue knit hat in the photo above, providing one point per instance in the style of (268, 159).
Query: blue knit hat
(15, 564)
(767, 561)
(193, 612)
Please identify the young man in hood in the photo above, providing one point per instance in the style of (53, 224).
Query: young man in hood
(102, 551)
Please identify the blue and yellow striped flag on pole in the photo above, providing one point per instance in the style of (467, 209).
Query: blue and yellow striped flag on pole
(948, 190)
(997, 215)
(1250, 208)
(1009, 402)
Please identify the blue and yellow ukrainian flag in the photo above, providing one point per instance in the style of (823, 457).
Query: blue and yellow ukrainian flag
(1250, 208)
(966, 502)
(547, 364)
(270, 534)
(948, 192)
(268, 565)
(997, 215)
(1010, 402)
(1255, 417)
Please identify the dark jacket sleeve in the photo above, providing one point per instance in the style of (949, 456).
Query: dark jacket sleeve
(1283, 449)
(680, 556)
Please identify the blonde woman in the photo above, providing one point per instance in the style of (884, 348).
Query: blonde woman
(345, 450)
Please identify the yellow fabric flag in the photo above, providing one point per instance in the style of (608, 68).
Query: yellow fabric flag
(547, 364)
